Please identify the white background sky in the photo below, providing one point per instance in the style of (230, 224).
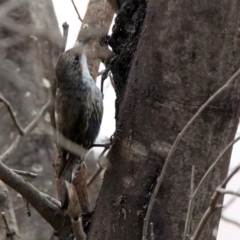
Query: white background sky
(66, 13)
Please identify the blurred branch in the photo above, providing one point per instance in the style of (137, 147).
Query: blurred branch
(10, 234)
(75, 212)
(24, 173)
(100, 169)
(213, 205)
(27, 207)
(68, 144)
(51, 199)
(79, 17)
(214, 164)
(52, 214)
(174, 146)
(65, 37)
(151, 231)
(4, 157)
(190, 207)
(10, 110)
(224, 191)
(9, 218)
(94, 176)
(235, 223)
(26, 30)
(230, 202)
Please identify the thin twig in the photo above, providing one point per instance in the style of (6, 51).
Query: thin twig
(75, 7)
(68, 144)
(27, 207)
(65, 37)
(173, 148)
(235, 223)
(224, 191)
(11, 112)
(190, 206)
(230, 202)
(51, 199)
(213, 205)
(52, 214)
(151, 231)
(94, 176)
(24, 173)
(5, 221)
(100, 169)
(214, 164)
(4, 157)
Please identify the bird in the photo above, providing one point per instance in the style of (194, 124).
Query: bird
(79, 107)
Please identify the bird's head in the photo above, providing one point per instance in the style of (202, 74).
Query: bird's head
(72, 66)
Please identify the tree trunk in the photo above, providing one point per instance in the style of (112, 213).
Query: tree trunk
(185, 53)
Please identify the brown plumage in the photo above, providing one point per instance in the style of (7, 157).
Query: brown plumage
(79, 109)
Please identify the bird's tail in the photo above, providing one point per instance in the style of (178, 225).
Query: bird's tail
(68, 174)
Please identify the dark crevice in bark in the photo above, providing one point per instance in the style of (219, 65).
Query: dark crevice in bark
(124, 40)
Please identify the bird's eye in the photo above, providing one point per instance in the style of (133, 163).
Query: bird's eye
(76, 60)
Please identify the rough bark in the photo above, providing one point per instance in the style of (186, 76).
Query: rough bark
(185, 53)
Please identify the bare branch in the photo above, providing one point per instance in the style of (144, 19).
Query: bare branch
(75, 212)
(214, 164)
(7, 207)
(51, 199)
(11, 112)
(4, 157)
(173, 148)
(94, 176)
(213, 206)
(27, 207)
(231, 201)
(52, 214)
(100, 169)
(235, 223)
(190, 207)
(9, 232)
(65, 37)
(151, 231)
(224, 191)
(75, 7)
(24, 173)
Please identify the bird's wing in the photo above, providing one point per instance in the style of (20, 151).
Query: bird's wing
(95, 118)
(72, 124)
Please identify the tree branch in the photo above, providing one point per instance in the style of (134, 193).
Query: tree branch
(235, 223)
(4, 157)
(52, 214)
(190, 207)
(10, 110)
(24, 173)
(214, 164)
(173, 148)
(224, 191)
(213, 205)
(79, 17)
